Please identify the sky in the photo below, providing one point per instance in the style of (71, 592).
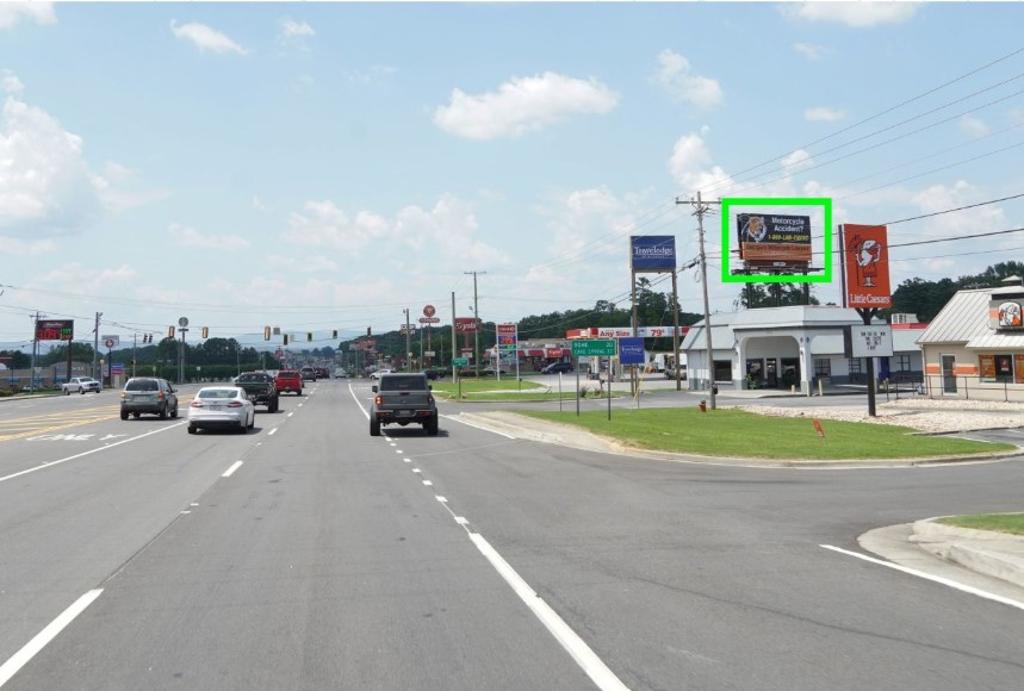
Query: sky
(325, 166)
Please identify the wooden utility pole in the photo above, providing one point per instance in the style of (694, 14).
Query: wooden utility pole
(476, 323)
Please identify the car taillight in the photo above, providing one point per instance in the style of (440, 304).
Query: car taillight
(196, 404)
(379, 400)
(160, 395)
(235, 404)
(430, 400)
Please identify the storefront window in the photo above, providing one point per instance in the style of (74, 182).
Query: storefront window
(856, 366)
(1004, 368)
(723, 370)
(902, 363)
(823, 368)
(996, 367)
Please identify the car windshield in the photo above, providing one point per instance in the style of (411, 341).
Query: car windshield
(218, 393)
(141, 385)
(403, 382)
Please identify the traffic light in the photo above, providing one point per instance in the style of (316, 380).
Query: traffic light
(286, 339)
(266, 333)
(170, 332)
(334, 334)
(206, 332)
(309, 335)
(368, 334)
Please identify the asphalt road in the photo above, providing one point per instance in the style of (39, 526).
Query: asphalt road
(324, 560)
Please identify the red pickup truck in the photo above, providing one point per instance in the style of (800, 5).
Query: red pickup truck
(289, 380)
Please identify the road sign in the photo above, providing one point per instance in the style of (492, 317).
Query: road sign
(593, 347)
(111, 340)
(411, 329)
(109, 343)
(460, 362)
(429, 311)
(117, 369)
(430, 320)
(631, 351)
(183, 322)
(429, 353)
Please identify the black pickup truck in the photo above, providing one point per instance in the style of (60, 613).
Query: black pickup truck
(401, 399)
(260, 388)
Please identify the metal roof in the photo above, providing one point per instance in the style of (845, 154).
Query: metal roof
(964, 317)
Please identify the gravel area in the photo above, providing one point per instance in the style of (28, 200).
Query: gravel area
(920, 414)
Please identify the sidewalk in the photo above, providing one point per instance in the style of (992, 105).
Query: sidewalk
(995, 554)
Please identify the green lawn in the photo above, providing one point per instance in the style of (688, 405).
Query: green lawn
(1001, 522)
(483, 384)
(735, 433)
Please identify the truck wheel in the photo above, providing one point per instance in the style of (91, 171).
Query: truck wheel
(431, 426)
(272, 408)
(124, 414)
(192, 429)
(374, 428)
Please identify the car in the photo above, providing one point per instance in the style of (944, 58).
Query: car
(289, 380)
(491, 371)
(322, 373)
(148, 395)
(340, 374)
(403, 399)
(379, 373)
(80, 385)
(260, 388)
(308, 374)
(556, 367)
(221, 407)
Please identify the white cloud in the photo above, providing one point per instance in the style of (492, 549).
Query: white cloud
(941, 197)
(372, 75)
(45, 184)
(322, 224)
(293, 29)
(11, 84)
(692, 169)
(206, 38)
(798, 160)
(521, 105)
(809, 51)
(677, 78)
(77, 275)
(974, 127)
(307, 265)
(824, 114)
(13, 12)
(26, 248)
(190, 237)
(119, 188)
(852, 14)
(257, 203)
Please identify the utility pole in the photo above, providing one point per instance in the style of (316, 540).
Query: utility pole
(476, 325)
(181, 356)
(453, 337)
(96, 343)
(35, 348)
(135, 346)
(408, 343)
(701, 208)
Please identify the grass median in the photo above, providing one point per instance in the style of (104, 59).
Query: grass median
(490, 389)
(739, 434)
(1012, 523)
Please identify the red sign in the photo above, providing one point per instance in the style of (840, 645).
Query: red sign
(866, 265)
(507, 337)
(55, 330)
(554, 352)
(429, 311)
(465, 325)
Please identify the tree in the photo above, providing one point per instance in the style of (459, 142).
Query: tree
(80, 352)
(754, 295)
(15, 359)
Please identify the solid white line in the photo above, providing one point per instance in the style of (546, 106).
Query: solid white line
(272, 432)
(230, 471)
(428, 483)
(440, 499)
(39, 641)
(455, 418)
(50, 464)
(586, 658)
(356, 399)
(928, 577)
(461, 520)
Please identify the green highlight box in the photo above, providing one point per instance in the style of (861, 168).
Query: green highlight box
(729, 277)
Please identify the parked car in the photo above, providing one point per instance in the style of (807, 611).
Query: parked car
(289, 380)
(260, 388)
(379, 373)
(556, 367)
(80, 385)
(403, 399)
(308, 374)
(148, 395)
(221, 407)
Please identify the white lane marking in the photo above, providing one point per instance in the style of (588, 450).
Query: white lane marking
(230, 471)
(392, 444)
(461, 520)
(195, 503)
(50, 464)
(440, 499)
(455, 418)
(39, 641)
(259, 443)
(290, 414)
(428, 483)
(928, 577)
(416, 470)
(398, 451)
(300, 405)
(356, 399)
(586, 658)
(407, 460)
(185, 512)
(272, 432)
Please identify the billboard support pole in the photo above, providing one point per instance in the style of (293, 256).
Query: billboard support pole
(675, 328)
(577, 368)
(453, 337)
(635, 324)
(609, 389)
(866, 315)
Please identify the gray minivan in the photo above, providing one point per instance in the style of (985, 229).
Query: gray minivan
(148, 395)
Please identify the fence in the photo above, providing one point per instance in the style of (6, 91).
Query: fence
(972, 388)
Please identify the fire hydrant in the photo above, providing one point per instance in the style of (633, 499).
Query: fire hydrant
(703, 405)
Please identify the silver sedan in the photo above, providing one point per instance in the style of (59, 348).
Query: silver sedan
(221, 407)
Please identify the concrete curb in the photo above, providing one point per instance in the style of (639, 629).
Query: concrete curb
(984, 551)
(547, 432)
(29, 398)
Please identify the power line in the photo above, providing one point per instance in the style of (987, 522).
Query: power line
(959, 208)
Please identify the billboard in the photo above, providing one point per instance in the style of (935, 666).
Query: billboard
(55, 329)
(774, 239)
(508, 337)
(465, 325)
(866, 266)
(631, 351)
(652, 253)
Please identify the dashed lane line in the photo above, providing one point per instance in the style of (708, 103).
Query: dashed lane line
(231, 471)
